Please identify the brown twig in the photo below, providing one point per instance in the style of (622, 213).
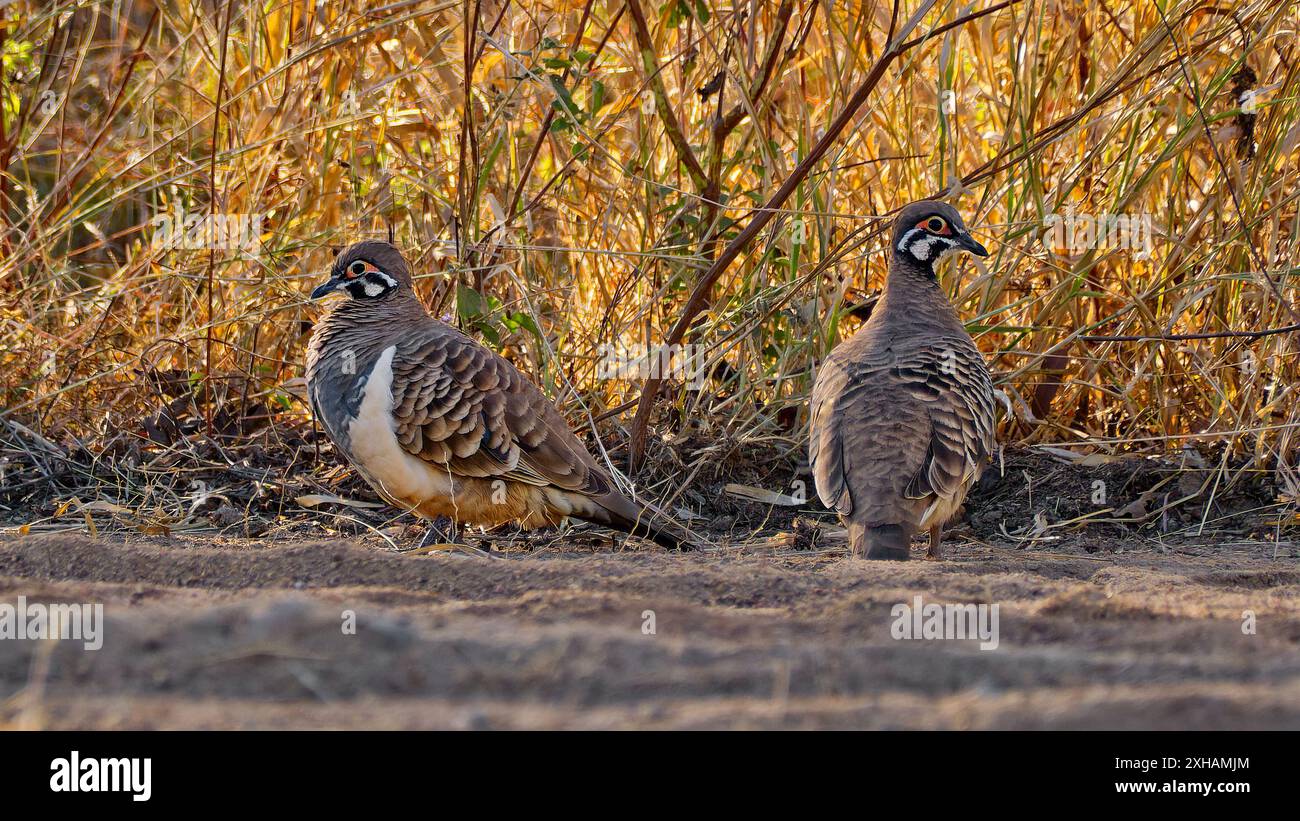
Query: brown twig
(724, 125)
(212, 211)
(728, 123)
(1223, 169)
(1188, 337)
(512, 207)
(60, 194)
(664, 109)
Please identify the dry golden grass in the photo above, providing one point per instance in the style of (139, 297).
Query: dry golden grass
(563, 174)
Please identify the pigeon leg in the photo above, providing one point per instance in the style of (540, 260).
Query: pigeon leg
(441, 531)
(935, 552)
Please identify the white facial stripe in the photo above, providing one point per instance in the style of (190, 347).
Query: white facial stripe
(907, 238)
(374, 283)
(923, 248)
(951, 248)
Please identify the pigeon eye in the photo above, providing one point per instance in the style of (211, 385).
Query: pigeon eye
(356, 269)
(935, 225)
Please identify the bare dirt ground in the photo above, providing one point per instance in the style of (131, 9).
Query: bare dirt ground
(1123, 612)
(247, 634)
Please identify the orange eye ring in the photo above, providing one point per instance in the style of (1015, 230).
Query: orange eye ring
(355, 270)
(935, 225)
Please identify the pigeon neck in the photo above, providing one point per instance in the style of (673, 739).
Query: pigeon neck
(908, 276)
(400, 306)
(912, 289)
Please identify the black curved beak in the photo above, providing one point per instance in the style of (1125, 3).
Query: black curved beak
(325, 289)
(969, 243)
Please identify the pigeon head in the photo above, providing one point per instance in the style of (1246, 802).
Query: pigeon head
(926, 231)
(370, 270)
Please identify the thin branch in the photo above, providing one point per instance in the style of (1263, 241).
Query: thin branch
(212, 211)
(728, 123)
(512, 208)
(1189, 337)
(60, 194)
(662, 106)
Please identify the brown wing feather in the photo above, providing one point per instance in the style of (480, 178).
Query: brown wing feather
(458, 405)
(866, 400)
(950, 377)
(826, 439)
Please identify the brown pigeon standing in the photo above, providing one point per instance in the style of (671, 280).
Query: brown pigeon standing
(903, 412)
(443, 427)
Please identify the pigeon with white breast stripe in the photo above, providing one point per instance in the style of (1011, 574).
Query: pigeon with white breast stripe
(441, 426)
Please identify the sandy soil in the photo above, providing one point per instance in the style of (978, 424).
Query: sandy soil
(245, 633)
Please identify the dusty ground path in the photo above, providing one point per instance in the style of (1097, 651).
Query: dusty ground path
(245, 634)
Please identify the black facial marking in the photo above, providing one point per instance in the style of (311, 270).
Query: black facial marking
(371, 285)
(924, 247)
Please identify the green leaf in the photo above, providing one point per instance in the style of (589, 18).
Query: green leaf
(677, 11)
(469, 303)
(520, 320)
(489, 333)
(565, 97)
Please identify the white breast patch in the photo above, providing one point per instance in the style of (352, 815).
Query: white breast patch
(376, 451)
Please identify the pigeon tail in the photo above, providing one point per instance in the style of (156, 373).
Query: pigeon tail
(880, 541)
